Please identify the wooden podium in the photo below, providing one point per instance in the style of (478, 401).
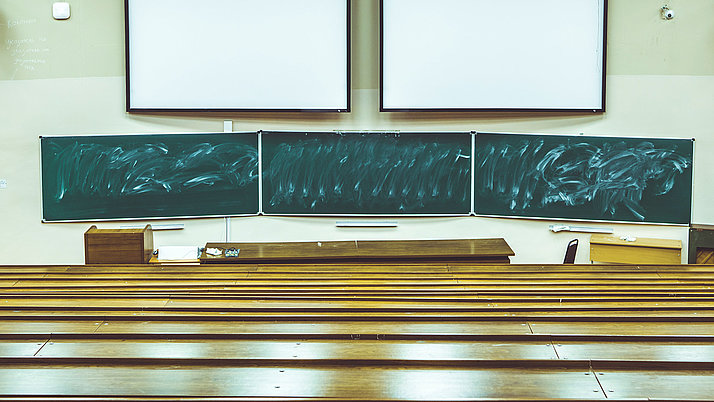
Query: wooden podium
(118, 246)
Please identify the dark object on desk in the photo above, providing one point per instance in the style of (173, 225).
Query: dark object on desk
(231, 252)
(570, 252)
(486, 251)
(118, 246)
(701, 244)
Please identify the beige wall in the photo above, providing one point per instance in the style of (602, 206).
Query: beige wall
(66, 77)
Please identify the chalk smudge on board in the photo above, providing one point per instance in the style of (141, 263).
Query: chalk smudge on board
(119, 171)
(608, 177)
(368, 172)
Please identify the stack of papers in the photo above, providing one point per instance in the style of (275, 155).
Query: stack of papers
(178, 253)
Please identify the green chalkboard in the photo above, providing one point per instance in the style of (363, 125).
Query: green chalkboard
(584, 177)
(366, 173)
(149, 176)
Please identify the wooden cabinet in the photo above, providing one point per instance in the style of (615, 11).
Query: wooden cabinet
(605, 248)
(701, 244)
(118, 246)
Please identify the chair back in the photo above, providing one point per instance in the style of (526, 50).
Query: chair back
(570, 252)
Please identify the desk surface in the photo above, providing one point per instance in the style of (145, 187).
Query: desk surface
(482, 250)
(638, 242)
(612, 249)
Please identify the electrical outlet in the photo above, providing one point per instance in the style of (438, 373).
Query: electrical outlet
(3, 183)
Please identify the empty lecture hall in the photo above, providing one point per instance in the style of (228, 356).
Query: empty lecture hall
(356, 200)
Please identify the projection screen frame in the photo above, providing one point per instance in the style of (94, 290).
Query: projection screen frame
(594, 110)
(158, 109)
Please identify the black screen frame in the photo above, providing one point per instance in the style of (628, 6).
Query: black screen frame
(516, 110)
(130, 109)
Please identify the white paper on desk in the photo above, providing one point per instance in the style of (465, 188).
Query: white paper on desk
(178, 253)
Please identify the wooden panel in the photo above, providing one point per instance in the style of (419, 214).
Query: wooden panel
(492, 314)
(670, 385)
(701, 238)
(486, 250)
(638, 242)
(623, 328)
(364, 382)
(629, 351)
(117, 246)
(48, 327)
(464, 304)
(467, 248)
(634, 255)
(303, 350)
(605, 248)
(32, 268)
(672, 288)
(705, 256)
(374, 280)
(142, 277)
(293, 251)
(311, 328)
(21, 349)
(702, 227)
(166, 269)
(367, 331)
(351, 267)
(120, 283)
(136, 303)
(411, 300)
(353, 293)
(483, 276)
(388, 268)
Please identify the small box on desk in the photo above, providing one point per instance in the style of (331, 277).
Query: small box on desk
(118, 246)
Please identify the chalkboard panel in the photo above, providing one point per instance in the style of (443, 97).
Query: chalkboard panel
(148, 176)
(373, 173)
(582, 177)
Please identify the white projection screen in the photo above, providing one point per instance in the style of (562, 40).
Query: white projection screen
(493, 55)
(288, 55)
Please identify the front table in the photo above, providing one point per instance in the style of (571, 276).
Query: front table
(486, 251)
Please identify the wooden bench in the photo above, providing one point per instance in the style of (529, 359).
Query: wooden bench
(356, 330)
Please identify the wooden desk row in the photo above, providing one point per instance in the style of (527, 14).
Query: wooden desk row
(135, 246)
(483, 251)
(111, 246)
(356, 331)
